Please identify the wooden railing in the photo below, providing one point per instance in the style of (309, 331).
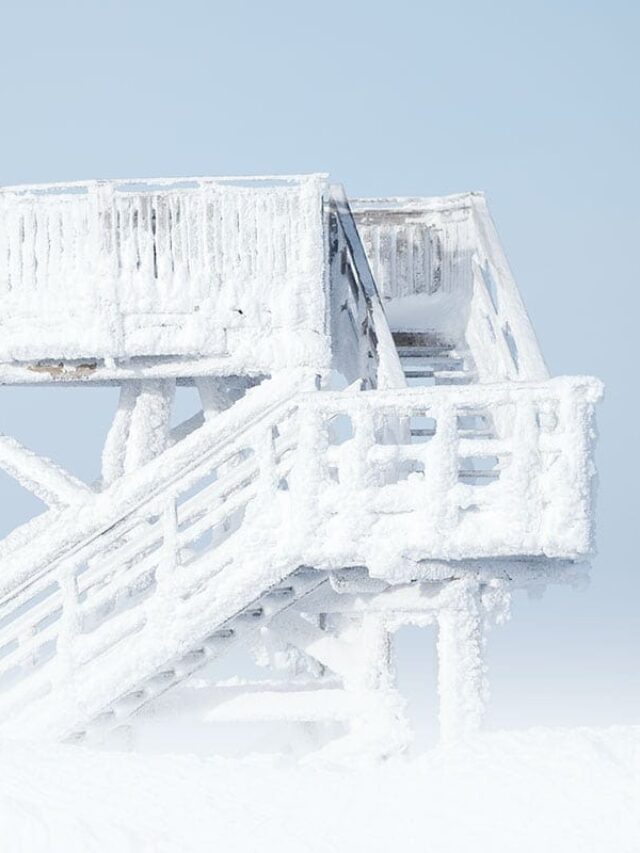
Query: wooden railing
(149, 268)
(373, 353)
(129, 577)
(287, 478)
(446, 252)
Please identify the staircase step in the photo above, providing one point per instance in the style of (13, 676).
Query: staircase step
(431, 363)
(425, 373)
(303, 581)
(469, 474)
(421, 339)
(417, 380)
(454, 377)
(251, 613)
(433, 351)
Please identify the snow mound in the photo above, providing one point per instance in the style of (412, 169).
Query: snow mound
(573, 791)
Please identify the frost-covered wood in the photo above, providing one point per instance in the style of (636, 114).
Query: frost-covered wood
(235, 534)
(440, 268)
(311, 522)
(48, 481)
(204, 267)
(461, 669)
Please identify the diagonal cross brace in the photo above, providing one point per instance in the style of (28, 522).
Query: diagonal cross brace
(48, 481)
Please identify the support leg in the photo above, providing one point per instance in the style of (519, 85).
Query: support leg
(461, 675)
(215, 395)
(140, 428)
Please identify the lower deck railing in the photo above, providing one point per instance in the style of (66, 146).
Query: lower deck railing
(286, 478)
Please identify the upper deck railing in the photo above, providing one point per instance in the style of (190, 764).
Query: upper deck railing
(162, 267)
(440, 260)
(362, 341)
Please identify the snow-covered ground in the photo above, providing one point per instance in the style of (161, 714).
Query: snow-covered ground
(572, 790)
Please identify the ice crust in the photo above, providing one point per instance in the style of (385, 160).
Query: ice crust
(113, 582)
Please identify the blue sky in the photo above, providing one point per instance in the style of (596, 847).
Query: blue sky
(536, 104)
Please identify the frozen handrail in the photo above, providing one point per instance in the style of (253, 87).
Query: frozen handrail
(447, 251)
(70, 529)
(124, 565)
(503, 310)
(390, 373)
(176, 269)
(139, 184)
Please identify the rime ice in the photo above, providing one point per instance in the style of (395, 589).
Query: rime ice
(379, 444)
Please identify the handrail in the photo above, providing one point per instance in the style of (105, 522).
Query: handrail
(515, 334)
(113, 573)
(72, 528)
(161, 182)
(390, 372)
(495, 393)
(101, 511)
(136, 562)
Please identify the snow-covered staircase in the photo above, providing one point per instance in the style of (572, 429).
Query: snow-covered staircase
(431, 360)
(118, 600)
(300, 519)
(106, 604)
(427, 360)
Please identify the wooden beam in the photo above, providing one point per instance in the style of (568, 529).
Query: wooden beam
(48, 481)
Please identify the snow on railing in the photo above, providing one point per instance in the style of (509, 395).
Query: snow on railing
(361, 337)
(445, 252)
(416, 245)
(114, 269)
(377, 478)
(471, 472)
(499, 330)
(122, 589)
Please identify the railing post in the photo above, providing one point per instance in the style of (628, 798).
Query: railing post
(569, 514)
(360, 469)
(441, 474)
(165, 572)
(308, 473)
(267, 463)
(105, 256)
(64, 671)
(524, 473)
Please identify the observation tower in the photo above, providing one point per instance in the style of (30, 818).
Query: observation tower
(379, 444)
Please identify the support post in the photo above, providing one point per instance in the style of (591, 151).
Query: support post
(140, 429)
(215, 395)
(372, 651)
(461, 669)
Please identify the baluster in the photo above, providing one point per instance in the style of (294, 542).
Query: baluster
(162, 607)
(441, 468)
(571, 507)
(310, 469)
(266, 458)
(27, 644)
(104, 252)
(525, 492)
(170, 559)
(70, 625)
(361, 474)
